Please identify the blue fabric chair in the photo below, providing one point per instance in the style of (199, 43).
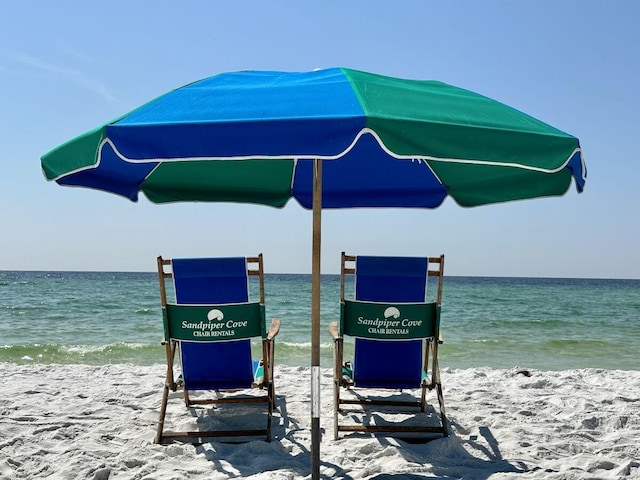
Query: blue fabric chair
(396, 333)
(211, 324)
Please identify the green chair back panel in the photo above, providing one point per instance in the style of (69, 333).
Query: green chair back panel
(210, 323)
(387, 321)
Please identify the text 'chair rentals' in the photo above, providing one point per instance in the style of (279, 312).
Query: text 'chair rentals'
(211, 324)
(396, 334)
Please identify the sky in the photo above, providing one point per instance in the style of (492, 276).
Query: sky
(67, 67)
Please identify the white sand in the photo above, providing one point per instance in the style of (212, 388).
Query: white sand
(71, 422)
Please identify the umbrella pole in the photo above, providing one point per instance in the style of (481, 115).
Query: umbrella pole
(315, 320)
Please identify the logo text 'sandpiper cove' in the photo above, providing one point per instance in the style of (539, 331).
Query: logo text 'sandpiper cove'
(391, 325)
(215, 326)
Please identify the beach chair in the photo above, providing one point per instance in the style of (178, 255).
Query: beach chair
(396, 334)
(211, 324)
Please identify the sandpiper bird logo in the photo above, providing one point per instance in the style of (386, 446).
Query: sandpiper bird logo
(392, 312)
(215, 314)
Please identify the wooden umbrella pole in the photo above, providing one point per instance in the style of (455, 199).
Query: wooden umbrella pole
(315, 320)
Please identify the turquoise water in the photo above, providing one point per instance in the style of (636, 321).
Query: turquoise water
(548, 324)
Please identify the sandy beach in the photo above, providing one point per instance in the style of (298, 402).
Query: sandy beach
(98, 422)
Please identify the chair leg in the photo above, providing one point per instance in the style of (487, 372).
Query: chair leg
(443, 417)
(336, 406)
(163, 412)
(337, 381)
(269, 355)
(270, 403)
(272, 359)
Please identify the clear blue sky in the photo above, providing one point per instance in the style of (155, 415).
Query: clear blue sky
(66, 67)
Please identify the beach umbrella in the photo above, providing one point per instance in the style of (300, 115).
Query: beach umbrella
(332, 138)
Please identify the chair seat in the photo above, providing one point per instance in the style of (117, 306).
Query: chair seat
(387, 364)
(347, 377)
(256, 379)
(203, 369)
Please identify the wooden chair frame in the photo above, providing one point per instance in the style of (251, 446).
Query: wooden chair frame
(255, 268)
(436, 269)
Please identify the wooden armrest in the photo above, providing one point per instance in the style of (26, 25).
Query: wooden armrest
(440, 337)
(333, 330)
(275, 328)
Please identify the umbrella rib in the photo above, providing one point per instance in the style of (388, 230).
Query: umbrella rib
(507, 164)
(88, 167)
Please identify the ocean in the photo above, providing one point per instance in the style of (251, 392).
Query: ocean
(536, 323)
